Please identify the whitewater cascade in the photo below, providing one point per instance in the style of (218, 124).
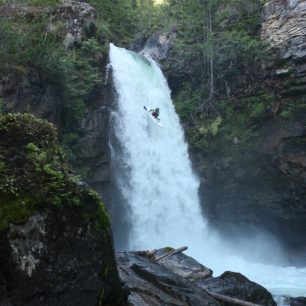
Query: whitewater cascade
(161, 189)
(158, 184)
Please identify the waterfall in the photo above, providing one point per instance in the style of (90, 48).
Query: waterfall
(157, 183)
(161, 190)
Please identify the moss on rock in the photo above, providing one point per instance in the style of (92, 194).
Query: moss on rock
(34, 175)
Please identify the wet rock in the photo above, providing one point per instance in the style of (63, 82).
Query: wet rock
(150, 283)
(181, 280)
(298, 301)
(260, 188)
(184, 266)
(54, 260)
(237, 286)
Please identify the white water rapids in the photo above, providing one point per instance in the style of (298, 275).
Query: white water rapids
(158, 184)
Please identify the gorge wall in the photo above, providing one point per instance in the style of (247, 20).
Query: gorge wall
(256, 180)
(56, 244)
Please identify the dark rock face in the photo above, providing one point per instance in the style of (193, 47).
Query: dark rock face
(78, 16)
(284, 25)
(54, 260)
(160, 47)
(181, 280)
(236, 285)
(56, 243)
(261, 185)
(159, 44)
(299, 301)
(92, 148)
(25, 91)
(284, 30)
(152, 284)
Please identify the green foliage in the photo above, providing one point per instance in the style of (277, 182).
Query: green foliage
(122, 21)
(74, 74)
(235, 120)
(219, 40)
(202, 134)
(118, 19)
(17, 211)
(257, 106)
(42, 2)
(186, 102)
(293, 108)
(236, 51)
(210, 127)
(1, 104)
(68, 145)
(34, 175)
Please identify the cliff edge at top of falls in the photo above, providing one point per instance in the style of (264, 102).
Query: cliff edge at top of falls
(180, 280)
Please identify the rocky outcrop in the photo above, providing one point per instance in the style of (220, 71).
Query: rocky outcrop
(284, 31)
(54, 259)
(299, 301)
(158, 45)
(25, 89)
(56, 243)
(259, 187)
(177, 68)
(78, 18)
(284, 28)
(181, 280)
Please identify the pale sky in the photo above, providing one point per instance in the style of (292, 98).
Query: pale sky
(158, 1)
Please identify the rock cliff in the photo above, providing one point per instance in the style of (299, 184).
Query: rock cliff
(55, 236)
(24, 88)
(260, 184)
(253, 170)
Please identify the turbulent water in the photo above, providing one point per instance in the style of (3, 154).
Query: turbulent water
(158, 185)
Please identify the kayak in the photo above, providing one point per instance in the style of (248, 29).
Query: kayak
(155, 120)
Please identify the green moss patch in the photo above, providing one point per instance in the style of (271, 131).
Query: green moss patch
(34, 175)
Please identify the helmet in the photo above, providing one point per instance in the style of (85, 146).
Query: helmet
(157, 109)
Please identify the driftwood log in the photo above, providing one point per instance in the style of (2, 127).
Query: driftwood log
(217, 296)
(231, 300)
(182, 249)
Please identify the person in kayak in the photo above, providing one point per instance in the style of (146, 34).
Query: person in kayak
(155, 113)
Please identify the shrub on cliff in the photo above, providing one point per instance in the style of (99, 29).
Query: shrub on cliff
(34, 174)
(28, 44)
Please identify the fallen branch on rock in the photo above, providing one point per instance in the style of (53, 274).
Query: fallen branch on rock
(182, 249)
(146, 253)
(231, 300)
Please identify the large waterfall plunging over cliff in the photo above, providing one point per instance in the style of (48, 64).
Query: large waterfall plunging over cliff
(161, 189)
(157, 184)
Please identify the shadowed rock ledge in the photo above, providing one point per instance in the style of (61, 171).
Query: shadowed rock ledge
(181, 280)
